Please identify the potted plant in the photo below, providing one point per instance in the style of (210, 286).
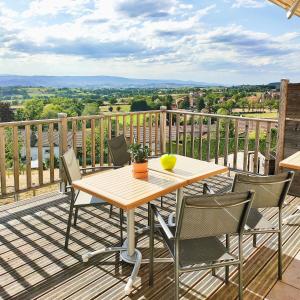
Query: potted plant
(139, 157)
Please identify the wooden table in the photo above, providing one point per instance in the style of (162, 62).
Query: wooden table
(120, 189)
(293, 163)
(189, 169)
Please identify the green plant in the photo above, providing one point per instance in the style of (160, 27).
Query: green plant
(139, 154)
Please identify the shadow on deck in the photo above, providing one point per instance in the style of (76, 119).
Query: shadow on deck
(34, 263)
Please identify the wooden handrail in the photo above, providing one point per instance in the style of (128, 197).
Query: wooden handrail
(222, 116)
(188, 133)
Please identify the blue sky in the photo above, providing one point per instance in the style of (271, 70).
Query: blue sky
(221, 41)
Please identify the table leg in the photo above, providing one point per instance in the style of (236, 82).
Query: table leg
(130, 233)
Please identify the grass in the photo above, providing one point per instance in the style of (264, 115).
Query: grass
(124, 108)
(265, 115)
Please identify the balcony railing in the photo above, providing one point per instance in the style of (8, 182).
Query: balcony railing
(30, 150)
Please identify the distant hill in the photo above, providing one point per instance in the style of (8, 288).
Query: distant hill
(94, 82)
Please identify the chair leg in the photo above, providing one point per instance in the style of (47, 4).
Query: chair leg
(176, 281)
(149, 215)
(69, 223)
(151, 245)
(240, 267)
(227, 267)
(254, 240)
(110, 211)
(161, 202)
(76, 216)
(280, 245)
(121, 226)
(213, 271)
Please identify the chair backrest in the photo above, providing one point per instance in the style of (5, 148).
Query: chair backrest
(118, 150)
(71, 166)
(270, 191)
(213, 215)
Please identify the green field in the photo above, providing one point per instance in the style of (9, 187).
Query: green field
(265, 115)
(124, 108)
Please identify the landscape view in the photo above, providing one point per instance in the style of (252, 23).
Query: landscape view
(172, 54)
(162, 131)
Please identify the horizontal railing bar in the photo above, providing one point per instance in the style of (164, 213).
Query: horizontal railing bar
(29, 122)
(221, 116)
(48, 121)
(36, 187)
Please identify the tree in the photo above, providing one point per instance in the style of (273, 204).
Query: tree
(185, 103)
(139, 105)
(200, 104)
(113, 101)
(33, 109)
(6, 113)
(90, 109)
(50, 111)
(242, 103)
(270, 104)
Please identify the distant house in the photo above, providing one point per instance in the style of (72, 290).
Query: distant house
(46, 145)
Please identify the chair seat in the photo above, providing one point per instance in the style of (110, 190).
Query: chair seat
(256, 221)
(84, 199)
(204, 250)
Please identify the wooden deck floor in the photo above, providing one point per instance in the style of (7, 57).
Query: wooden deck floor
(34, 264)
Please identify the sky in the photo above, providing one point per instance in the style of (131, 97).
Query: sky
(221, 41)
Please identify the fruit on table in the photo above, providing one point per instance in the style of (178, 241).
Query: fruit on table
(168, 161)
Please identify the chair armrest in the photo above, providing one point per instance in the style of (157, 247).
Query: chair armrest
(162, 222)
(207, 189)
(100, 168)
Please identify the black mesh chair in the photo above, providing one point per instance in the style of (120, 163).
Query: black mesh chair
(78, 198)
(194, 242)
(118, 151)
(270, 191)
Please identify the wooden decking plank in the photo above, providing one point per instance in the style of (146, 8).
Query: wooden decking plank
(264, 281)
(27, 277)
(36, 266)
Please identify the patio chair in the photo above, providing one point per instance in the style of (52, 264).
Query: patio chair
(194, 242)
(270, 191)
(80, 199)
(120, 156)
(118, 151)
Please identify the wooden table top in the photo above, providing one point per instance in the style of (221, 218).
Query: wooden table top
(119, 188)
(189, 169)
(291, 162)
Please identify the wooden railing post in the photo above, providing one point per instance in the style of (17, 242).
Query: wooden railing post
(63, 145)
(281, 123)
(163, 131)
(2, 161)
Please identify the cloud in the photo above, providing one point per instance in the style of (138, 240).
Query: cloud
(87, 48)
(149, 8)
(54, 7)
(248, 43)
(249, 3)
(139, 36)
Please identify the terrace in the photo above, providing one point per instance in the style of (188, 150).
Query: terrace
(34, 262)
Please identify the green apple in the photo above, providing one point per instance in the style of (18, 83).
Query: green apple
(168, 161)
